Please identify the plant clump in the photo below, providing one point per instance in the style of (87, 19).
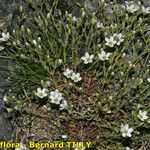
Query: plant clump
(87, 76)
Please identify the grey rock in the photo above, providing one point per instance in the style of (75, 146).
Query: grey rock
(92, 5)
(9, 11)
(6, 127)
(146, 3)
(7, 7)
(5, 124)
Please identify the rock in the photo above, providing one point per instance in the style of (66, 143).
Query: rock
(6, 9)
(146, 3)
(6, 127)
(9, 10)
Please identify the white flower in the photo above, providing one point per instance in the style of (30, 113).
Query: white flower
(126, 131)
(104, 56)
(80, 144)
(128, 148)
(132, 8)
(74, 18)
(1, 48)
(87, 58)
(110, 41)
(99, 24)
(76, 77)
(5, 36)
(119, 38)
(68, 73)
(142, 115)
(148, 79)
(22, 147)
(55, 96)
(146, 10)
(41, 93)
(63, 105)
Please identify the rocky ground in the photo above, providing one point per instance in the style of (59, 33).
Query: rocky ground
(8, 10)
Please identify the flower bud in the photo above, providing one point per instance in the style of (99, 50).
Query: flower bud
(28, 30)
(27, 44)
(48, 15)
(14, 43)
(39, 39)
(34, 42)
(39, 47)
(21, 9)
